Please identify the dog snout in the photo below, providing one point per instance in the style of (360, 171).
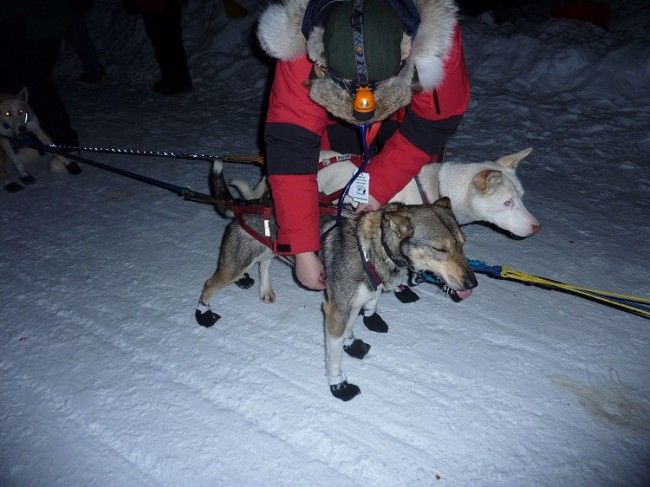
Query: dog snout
(535, 228)
(459, 276)
(470, 281)
(22, 129)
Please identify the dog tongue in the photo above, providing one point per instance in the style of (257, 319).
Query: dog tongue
(464, 294)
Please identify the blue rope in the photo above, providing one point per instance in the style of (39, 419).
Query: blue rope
(483, 268)
(496, 272)
(475, 265)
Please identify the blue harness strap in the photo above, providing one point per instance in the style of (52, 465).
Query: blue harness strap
(483, 268)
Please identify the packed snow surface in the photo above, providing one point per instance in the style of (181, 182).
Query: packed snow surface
(106, 379)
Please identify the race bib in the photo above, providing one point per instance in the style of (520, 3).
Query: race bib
(360, 188)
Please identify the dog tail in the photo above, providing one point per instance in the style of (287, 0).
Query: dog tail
(248, 193)
(220, 189)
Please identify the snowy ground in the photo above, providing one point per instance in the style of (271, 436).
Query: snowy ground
(107, 380)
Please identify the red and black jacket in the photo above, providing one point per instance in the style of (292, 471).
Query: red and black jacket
(297, 129)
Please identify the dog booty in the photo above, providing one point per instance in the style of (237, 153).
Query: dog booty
(245, 282)
(375, 323)
(357, 349)
(405, 295)
(206, 318)
(13, 187)
(344, 391)
(73, 168)
(28, 179)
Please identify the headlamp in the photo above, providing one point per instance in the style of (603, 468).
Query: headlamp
(363, 96)
(364, 103)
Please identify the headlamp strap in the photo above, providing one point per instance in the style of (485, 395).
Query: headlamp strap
(356, 21)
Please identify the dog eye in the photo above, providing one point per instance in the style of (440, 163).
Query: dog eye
(440, 249)
(508, 203)
(7, 114)
(21, 111)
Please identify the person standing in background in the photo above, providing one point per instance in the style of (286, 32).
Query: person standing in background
(162, 21)
(78, 37)
(395, 66)
(31, 33)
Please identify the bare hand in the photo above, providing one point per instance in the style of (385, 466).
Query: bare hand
(371, 205)
(309, 271)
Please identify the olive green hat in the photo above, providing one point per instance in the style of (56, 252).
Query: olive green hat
(381, 40)
(404, 45)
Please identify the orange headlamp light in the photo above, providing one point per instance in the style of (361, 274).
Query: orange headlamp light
(364, 103)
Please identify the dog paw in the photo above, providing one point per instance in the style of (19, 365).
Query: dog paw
(245, 282)
(357, 349)
(405, 295)
(268, 297)
(28, 179)
(344, 391)
(375, 323)
(206, 318)
(13, 187)
(57, 165)
(73, 168)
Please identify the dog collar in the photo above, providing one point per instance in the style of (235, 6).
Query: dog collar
(371, 271)
(400, 263)
(369, 268)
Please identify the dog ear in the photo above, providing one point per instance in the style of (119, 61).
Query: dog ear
(443, 202)
(486, 180)
(394, 206)
(23, 95)
(513, 160)
(399, 223)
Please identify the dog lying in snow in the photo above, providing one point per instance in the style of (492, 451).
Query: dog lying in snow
(361, 256)
(19, 119)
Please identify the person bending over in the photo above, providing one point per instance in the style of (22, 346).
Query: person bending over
(396, 66)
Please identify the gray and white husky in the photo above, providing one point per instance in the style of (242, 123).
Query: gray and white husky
(362, 255)
(17, 119)
(479, 192)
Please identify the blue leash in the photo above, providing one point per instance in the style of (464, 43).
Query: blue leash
(634, 304)
(183, 191)
(474, 265)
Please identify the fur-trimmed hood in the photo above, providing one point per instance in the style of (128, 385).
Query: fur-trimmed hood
(280, 35)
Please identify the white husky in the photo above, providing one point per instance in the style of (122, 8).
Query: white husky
(17, 118)
(480, 191)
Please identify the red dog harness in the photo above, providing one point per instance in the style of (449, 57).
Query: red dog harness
(242, 208)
